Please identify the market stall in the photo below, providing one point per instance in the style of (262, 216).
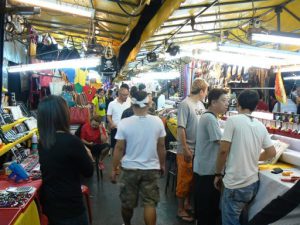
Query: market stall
(74, 48)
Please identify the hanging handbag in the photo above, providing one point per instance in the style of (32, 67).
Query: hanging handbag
(81, 99)
(47, 51)
(45, 80)
(79, 115)
(68, 98)
(69, 53)
(33, 42)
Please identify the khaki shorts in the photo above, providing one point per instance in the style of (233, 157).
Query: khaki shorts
(139, 182)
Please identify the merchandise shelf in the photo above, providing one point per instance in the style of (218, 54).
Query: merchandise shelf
(7, 147)
(7, 127)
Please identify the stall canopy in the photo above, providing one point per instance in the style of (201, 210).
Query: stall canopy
(137, 27)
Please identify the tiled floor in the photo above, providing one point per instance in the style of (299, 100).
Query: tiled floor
(106, 203)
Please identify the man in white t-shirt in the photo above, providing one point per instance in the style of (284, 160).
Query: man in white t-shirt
(240, 149)
(115, 110)
(143, 137)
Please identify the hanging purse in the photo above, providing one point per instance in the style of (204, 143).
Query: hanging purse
(69, 53)
(67, 96)
(47, 52)
(79, 115)
(33, 42)
(45, 80)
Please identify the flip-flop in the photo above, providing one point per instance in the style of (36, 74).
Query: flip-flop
(186, 218)
(190, 211)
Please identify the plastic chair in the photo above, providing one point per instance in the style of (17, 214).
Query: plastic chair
(86, 193)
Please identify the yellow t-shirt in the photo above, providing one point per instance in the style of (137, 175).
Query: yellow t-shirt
(81, 76)
(97, 102)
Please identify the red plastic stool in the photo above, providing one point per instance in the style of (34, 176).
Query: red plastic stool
(86, 193)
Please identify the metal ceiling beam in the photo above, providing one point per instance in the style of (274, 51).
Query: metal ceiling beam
(111, 13)
(213, 21)
(190, 36)
(238, 38)
(125, 3)
(179, 42)
(112, 22)
(78, 32)
(291, 13)
(188, 20)
(222, 13)
(36, 23)
(220, 4)
(191, 32)
(267, 12)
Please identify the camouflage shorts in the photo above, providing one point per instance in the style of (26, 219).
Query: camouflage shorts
(139, 182)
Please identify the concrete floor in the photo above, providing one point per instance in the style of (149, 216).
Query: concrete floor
(106, 203)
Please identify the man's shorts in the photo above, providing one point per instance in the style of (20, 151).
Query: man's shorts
(184, 176)
(139, 182)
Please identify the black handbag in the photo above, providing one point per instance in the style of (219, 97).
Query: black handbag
(47, 52)
(69, 53)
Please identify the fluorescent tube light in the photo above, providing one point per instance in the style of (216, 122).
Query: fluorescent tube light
(239, 59)
(277, 37)
(292, 57)
(292, 78)
(159, 75)
(73, 63)
(61, 6)
(293, 68)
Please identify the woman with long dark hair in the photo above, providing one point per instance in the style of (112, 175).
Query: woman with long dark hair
(63, 160)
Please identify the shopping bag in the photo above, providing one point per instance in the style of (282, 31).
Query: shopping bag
(79, 115)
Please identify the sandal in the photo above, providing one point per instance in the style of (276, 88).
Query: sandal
(101, 165)
(186, 218)
(190, 211)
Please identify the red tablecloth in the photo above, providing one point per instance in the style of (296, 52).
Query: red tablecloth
(8, 215)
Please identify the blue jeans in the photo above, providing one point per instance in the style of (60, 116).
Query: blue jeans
(77, 220)
(234, 200)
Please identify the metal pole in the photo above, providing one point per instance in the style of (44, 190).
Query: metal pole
(2, 17)
(278, 11)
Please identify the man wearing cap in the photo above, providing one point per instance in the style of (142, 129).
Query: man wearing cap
(143, 159)
(189, 111)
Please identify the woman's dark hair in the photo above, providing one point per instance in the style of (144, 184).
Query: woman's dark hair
(53, 115)
(133, 90)
(248, 99)
(139, 95)
(142, 87)
(215, 94)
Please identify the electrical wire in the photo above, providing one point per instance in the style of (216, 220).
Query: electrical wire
(268, 20)
(127, 13)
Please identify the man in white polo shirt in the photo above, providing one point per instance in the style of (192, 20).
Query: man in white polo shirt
(115, 110)
(240, 149)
